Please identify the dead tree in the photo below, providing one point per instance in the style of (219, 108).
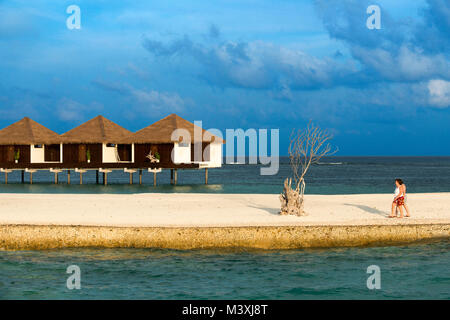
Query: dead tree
(306, 147)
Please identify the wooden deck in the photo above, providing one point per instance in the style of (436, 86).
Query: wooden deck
(103, 168)
(96, 166)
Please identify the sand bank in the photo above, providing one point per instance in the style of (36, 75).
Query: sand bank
(18, 237)
(186, 221)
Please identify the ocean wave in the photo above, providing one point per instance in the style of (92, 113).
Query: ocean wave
(330, 163)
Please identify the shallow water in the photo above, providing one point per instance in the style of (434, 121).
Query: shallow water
(334, 175)
(416, 271)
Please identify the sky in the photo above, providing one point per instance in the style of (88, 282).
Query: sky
(236, 64)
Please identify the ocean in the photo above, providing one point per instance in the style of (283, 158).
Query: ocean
(333, 175)
(414, 271)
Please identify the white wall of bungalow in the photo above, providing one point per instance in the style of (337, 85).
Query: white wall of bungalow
(215, 155)
(110, 153)
(182, 154)
(37, 154)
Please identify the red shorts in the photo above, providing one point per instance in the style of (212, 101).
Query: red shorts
(400, 201)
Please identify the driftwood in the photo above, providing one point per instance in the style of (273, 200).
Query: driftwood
(292, 199)
(306, 148)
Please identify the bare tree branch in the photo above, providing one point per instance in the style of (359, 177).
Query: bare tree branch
(306, 147)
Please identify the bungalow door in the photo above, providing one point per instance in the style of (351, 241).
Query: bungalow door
(52, 153)
(10, 154)
(82, 153)
(124, 151)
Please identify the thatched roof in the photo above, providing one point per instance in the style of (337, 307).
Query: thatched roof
(27, 131)
(96, 130)
(100, 130)
(161, 131)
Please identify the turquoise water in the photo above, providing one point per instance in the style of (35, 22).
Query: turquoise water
(416, 271)
(334, 175)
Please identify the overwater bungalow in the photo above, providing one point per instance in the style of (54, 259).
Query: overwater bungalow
(172, 142)
(28, 142)
(96, 142)
(173, 149)
(102, 145)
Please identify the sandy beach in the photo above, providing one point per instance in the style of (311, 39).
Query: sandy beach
(213, 210)
(193, 221)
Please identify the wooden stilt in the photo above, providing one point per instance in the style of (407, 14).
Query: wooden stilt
(68, 176)
(206, 175)
(154, 178)
(56, 177)
(171, 176)
(80, 171)
(175, 176)
(31, 177)
(96, 176)
(6, 171)
(140, 176)
(23, 176)
(131, 177)
(105, 178)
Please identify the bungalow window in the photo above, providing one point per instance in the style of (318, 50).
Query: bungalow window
(111, 145)
(38, 146)
(183, 145)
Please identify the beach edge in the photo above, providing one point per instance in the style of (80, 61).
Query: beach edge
(42, 237)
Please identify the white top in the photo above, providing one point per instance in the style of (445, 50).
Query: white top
(397, 191)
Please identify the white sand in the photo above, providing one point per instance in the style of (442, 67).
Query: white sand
(184, 210)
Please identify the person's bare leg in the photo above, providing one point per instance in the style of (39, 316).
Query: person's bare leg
(401, 211)
(394, 207)
(407, 210)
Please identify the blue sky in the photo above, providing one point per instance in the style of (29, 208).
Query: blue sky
(236, 64)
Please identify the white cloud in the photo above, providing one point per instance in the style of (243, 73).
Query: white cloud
(144, 100)
(158, 101)
(439, 91)
(255, 64)
(71, 110)
(403, 65)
